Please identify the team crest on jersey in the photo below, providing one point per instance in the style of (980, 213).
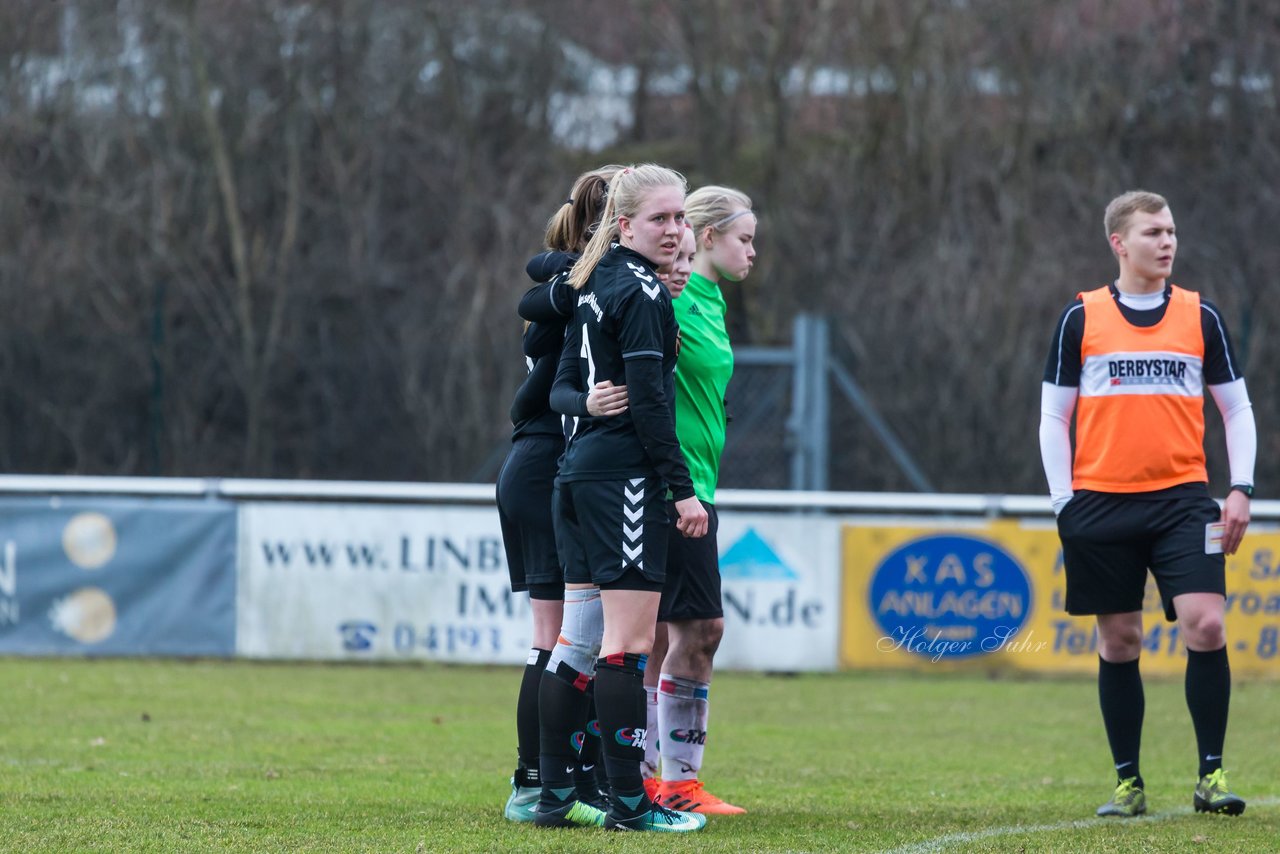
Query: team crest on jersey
(650, 287)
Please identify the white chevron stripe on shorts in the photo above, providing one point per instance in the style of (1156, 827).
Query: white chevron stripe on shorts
(633, 528)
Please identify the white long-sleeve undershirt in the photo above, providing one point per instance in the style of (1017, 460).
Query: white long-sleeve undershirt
(1058, 403)
(1242, 433)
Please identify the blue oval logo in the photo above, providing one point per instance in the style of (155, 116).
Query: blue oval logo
(949, 596)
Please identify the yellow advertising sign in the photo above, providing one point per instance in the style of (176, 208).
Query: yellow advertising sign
(990, 596)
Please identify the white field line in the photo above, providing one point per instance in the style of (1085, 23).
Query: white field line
(942, 843)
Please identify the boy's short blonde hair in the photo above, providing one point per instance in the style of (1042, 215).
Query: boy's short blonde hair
(1123, 207)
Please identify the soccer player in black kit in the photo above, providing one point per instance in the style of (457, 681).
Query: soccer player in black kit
(614, 477)
(525, 481)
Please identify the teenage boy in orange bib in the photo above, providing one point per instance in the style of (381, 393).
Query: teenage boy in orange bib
(1132, 360)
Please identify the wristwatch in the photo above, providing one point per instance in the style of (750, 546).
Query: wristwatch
(1243, 487)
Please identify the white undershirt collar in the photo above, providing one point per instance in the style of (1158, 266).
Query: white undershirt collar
(1141, 302)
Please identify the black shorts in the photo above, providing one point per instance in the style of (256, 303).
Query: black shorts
(524, 511)
(1110, 540)
(692, 590)
(608, 527)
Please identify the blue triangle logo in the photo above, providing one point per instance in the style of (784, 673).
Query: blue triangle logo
(632, 803)
(751, 559)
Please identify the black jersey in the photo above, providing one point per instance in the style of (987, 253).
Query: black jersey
(623, 330)
(1064, 363)
(552, 299)
(545, 266)
(531, 412)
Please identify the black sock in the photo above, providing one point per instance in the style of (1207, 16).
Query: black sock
(527, 745)
(1123, 704)
(589, 763)
(562, 715)
(1208, 686)
(620, 700)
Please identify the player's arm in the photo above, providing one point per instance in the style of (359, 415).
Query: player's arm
(603, 400)
(1226, 384)
(1057, 403)
(550, 301)
(641, 338)
(656, 427)
(543, 339)
(547, 265)
(1058, 394)
(1242, 452)
(567, 396)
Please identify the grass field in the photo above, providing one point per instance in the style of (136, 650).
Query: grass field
(146, 755)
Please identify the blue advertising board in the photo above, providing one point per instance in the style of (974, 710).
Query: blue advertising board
(117, 576)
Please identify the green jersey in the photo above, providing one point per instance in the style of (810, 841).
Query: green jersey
(703, 369)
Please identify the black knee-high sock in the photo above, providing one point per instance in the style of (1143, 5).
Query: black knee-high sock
(589, 756)
(1208, 686)
(527, 745)
(1123, 704)
(620, 700)
(562, 714)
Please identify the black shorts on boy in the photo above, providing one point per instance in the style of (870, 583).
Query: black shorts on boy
(1109, 540)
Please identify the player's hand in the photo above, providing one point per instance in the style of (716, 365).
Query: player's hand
(605, 398)
(693, 519)
(1235, 519)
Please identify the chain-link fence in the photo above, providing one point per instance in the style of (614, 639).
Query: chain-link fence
(800, 417)
(758, 447)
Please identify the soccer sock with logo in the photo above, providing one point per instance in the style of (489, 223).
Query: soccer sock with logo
(1123, 704)
(650, 767)
(682, 724)
(563, 700)
(620, 701)
(562, 709)
(1208, 687)
(586, 776)
(527, 744)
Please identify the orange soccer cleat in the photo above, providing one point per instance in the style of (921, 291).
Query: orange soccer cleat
(651, 785)
(690, 796)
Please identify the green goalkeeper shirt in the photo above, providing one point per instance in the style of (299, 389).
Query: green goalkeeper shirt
(703, 369)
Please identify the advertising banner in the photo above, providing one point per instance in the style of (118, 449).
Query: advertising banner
(395, 582)
(108, 576)
(990, 596)
(780, 578)
(329, 581)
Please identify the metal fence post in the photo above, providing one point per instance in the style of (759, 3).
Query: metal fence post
(819, 403)
(796, 432)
